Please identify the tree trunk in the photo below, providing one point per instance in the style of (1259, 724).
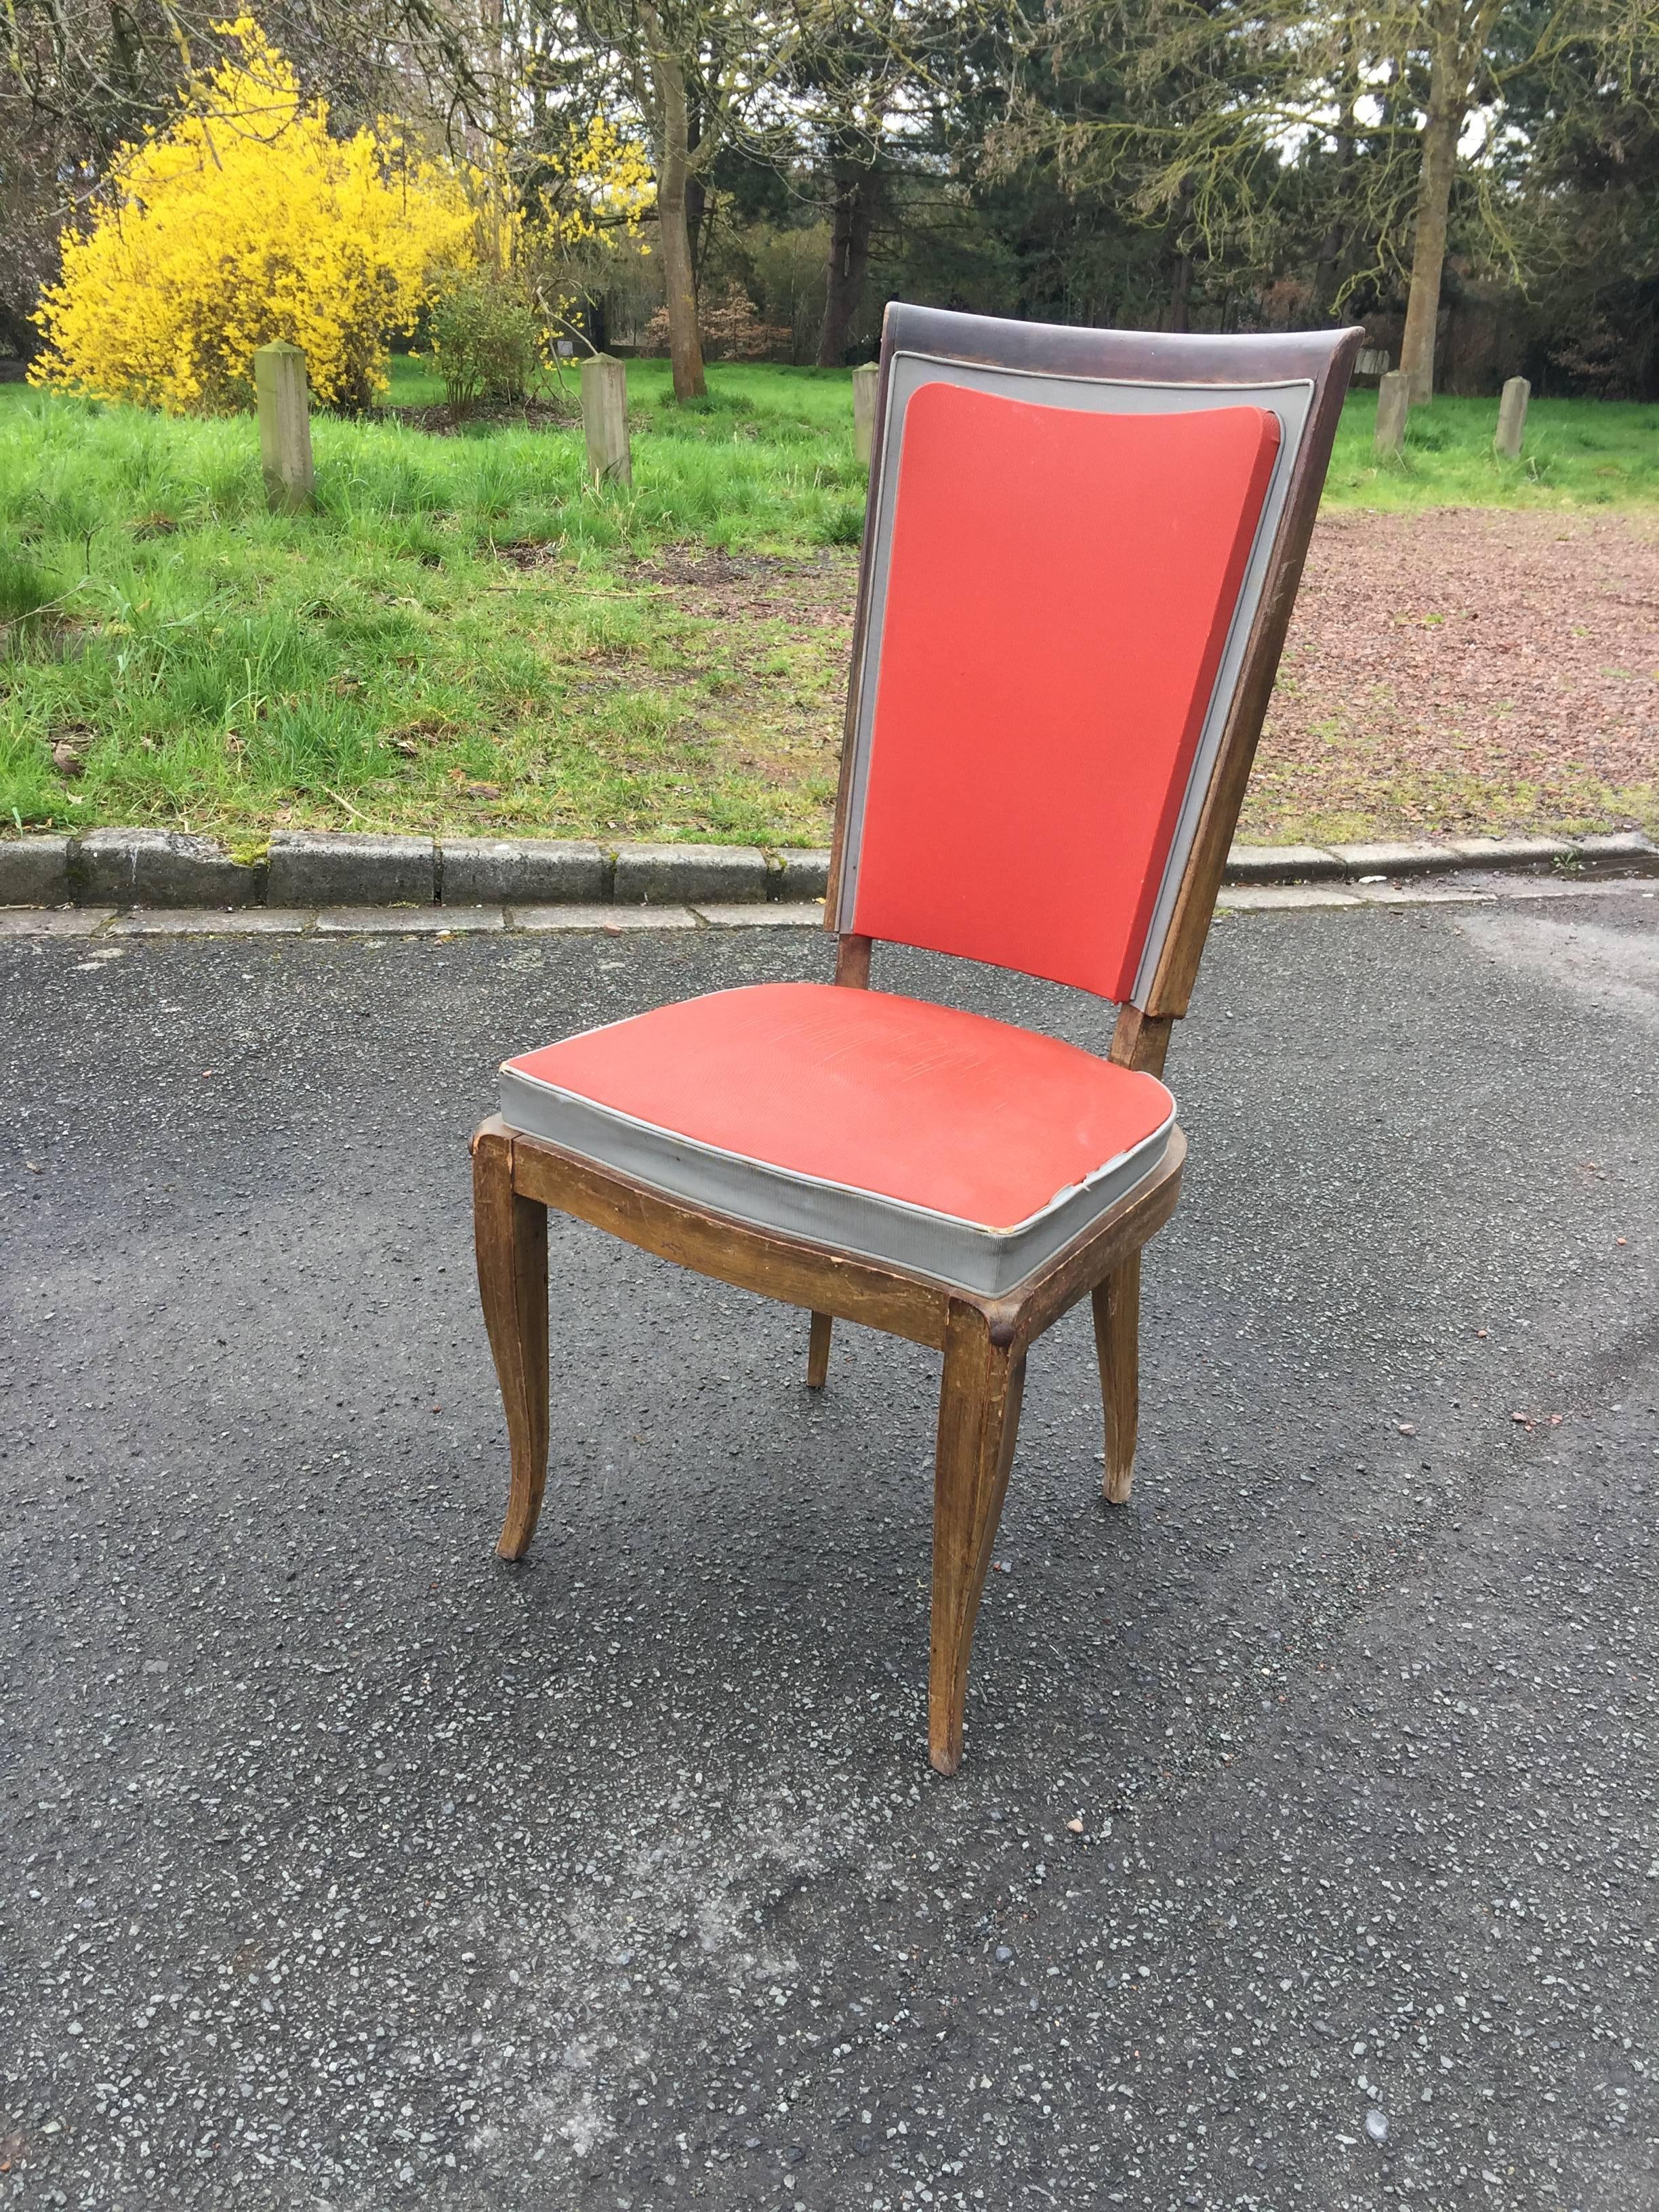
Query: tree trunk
(1334, 244)
(1448, 105)
(858, 192)
(685, 339)
(1328, 269)
(696, 224)
(1181, 289)
(697, 209)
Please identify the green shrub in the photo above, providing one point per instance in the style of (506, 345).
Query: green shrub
(843, 524)
(24, 585)
(487, 339)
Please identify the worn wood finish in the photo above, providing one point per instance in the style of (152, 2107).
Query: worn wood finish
(1117, 1345)
(516, 1178)
(510, 1235)
(1327, 358)
(605, 420)
(978, 1402)
(784, 1268)
(1393, 404)
(852, 973)
(860, 631)
(864, 412)
(797, 1273)
(1511, 419)
(1141, 1041)
(1075, 1269)
(281, 397)
(853, 962)
(1125, 356)
(818, 1350)
(985, 1340)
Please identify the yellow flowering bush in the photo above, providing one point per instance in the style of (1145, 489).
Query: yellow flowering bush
(599, 174)
(245, 222)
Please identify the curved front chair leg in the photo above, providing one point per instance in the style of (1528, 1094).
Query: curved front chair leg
(1117, 1342)
(978, 1419)
(511, 1236)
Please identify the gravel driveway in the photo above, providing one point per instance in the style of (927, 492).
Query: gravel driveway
(1305, 1854)
(1461, 669)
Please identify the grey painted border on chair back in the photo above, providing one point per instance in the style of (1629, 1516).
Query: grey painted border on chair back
(1301, 377)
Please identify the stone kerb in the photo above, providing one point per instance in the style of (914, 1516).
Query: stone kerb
(147, 868)
(535, 871)
(35, 872)
(349, 868)
(674, 874)
(161, 867)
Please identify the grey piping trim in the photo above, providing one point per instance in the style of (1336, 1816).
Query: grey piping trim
(964, 1254)
(1290, 398)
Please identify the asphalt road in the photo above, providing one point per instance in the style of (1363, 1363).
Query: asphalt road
(345, 1867)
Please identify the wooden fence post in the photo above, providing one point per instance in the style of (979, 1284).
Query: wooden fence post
(864, 411)
(1394, 399)
(283, 399)
(605, 419)
(1512, 419)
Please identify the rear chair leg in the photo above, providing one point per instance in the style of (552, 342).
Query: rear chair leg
(510, 1235)
(1117, 1341)
(817, 1351)
(978, 1418)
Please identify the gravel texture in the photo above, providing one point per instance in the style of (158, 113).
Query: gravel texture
(1467, 669)
(1306, 1853)
(1451, 672)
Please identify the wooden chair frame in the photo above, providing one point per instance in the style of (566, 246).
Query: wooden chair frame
(984, 1341)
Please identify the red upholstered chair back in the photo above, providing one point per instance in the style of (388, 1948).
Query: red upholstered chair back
(1067, 585)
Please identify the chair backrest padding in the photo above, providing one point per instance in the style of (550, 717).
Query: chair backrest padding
(1058, 589)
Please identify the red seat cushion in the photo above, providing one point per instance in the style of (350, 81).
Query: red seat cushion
(862, 1095)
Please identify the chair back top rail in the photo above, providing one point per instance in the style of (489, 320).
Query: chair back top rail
(1081, 551)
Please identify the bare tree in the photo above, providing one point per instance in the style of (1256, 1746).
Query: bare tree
(699, 74)
(857, 187)
(1211, 121)
(867, 80)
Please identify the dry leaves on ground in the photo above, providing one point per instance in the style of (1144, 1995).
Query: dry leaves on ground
(1461, 667)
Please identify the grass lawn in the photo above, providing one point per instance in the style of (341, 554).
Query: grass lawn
(464, 637)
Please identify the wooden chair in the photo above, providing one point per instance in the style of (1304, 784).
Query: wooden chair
(1082, 551)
